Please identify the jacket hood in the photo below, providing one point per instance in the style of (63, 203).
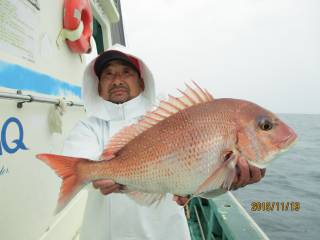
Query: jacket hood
(98, 107)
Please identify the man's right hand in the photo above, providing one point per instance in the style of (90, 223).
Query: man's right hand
(106, 186)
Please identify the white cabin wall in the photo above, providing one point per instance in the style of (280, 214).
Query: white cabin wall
(29, 189)
(58, 62)
(50, 56)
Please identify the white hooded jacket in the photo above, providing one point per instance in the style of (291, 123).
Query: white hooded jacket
(116, 216)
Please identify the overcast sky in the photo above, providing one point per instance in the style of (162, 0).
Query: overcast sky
(265, 51)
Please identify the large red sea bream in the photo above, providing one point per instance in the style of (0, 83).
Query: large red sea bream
(187, 146)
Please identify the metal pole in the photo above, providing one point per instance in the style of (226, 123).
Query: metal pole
(199, 222)
(31, 98)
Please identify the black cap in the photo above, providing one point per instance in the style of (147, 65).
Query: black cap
(107, 56)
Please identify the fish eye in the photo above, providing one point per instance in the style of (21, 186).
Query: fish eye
(265, 124)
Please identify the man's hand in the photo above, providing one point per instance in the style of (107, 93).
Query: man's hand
(246, 174)
(106, 186)
(181, 200)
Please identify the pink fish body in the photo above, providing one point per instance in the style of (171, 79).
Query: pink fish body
(188, 145)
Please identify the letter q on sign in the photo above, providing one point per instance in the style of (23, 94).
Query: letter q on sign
(15, 144)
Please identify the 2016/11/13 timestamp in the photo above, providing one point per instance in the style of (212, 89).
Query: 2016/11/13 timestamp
(268, 206)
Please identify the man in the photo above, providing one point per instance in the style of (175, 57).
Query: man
(118, 89)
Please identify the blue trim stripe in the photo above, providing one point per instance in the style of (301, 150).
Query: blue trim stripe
(18, 77)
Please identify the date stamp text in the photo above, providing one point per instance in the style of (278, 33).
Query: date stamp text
(268, 206)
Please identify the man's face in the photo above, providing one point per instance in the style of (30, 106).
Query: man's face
(119, 83)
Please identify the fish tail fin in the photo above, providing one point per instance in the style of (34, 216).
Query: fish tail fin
(66, 168)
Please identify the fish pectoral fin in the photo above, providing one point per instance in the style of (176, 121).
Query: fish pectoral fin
(145, 199)
(215, 181)
(221, 177)
(213, 193)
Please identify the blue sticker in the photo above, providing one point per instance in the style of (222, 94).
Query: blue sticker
(18, 77)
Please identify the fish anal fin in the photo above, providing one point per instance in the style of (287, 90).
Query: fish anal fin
(145, 199)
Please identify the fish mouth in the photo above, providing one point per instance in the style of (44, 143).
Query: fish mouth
(289, 138)
(288, 141)
(260, 165)
(284, 146)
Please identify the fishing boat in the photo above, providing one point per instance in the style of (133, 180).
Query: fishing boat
(44, 48)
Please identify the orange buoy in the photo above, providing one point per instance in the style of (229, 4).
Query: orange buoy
(78, 17)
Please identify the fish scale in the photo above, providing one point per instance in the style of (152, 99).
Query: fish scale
(197, 136)
(188, 149)
(188, 145)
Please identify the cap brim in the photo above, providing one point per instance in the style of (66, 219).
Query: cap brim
(108, 56)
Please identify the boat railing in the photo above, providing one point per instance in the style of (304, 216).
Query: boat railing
(221, 218)
(27, 98)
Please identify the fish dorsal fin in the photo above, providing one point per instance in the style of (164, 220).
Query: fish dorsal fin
(190, 97)
(120, 139)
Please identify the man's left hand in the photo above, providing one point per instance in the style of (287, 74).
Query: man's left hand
(182, 201)
(246, 174)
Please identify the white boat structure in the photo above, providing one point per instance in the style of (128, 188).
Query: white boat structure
(40, 101)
